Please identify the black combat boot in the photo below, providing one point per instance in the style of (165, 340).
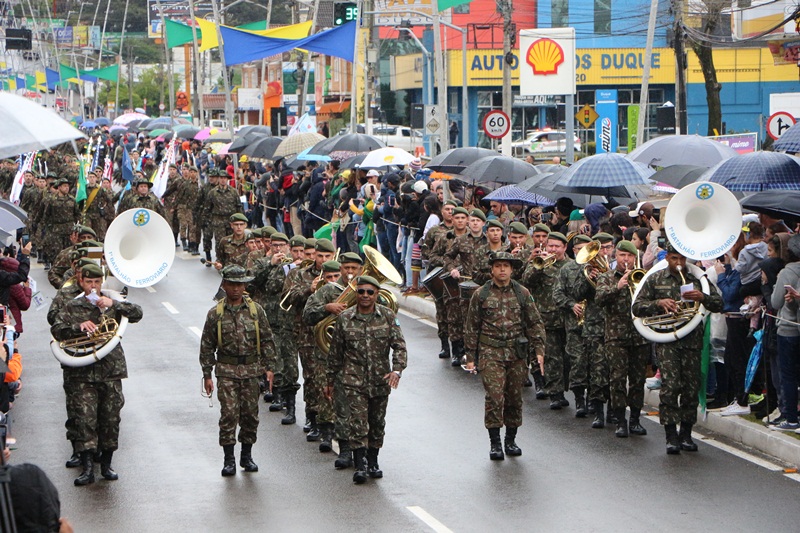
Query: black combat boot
(538, 383)
(311, 419)
(685, 438)
(590, 408)
(193, 248)
(360, 475)
(290, 417)
(445, 353)
(557, 401)
(634, 426)
(314, 435)
(229, 466)
(611, 416)
(599, 421)
(246, 459)
(185, 244)
(105, 466)
(373, 470)
(673, 442)
(458, 352)
(75, 460)
(510, 443)
(345, 458)
(87, 474)
(263, 388)
(495, 449)
(208, 262)
(326, 437)
(580, 403)
(622, 424)
(277, 402)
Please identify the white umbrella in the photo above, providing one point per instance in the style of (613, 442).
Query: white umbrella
(29, 127)
(12, 217)
(386, 156)
(129, 117)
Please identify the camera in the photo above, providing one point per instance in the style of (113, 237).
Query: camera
(662, 243)
(2, 314)
(546, 217)
(657, 214)
(25, 239)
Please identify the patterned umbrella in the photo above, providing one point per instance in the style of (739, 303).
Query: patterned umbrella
(297, 143)
(669, 150)
(349, 142)
(510, 194)
(599, 174)
(756, 171)
(455, 160)
(386, 156)
(789, 141)
(205, 133)
(500, 169)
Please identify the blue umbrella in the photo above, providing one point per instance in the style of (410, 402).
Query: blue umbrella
(601, 173)
(510, 194)
(88, 125)
(755, 357)
(102, 121)
(756, 171)
(789, 141)
(305, 156)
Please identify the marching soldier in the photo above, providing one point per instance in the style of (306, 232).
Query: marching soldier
(98, 211)
(504, 329)
(62, 262)
(186, 198)
(222, 202)
(626, 350)
(202, 217)
(494, 243)
(60, 213)
(433, 252)
(540, 281)
(232, 249)
(237, 344)
(679, 361)
(174, 181)
(142, 199)
(359, 363)
(518, 246)
(94, 392)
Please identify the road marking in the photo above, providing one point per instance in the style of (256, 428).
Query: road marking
(196, 331)
(170, 308)
(150, 289)
(434, 524)
(418, 318)
(408, 314)
(795, 477)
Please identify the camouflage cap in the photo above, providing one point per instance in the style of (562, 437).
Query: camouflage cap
(324, 245)
(331, 266)
(518, 228)
(91, 271)
(627, 246)
(142, 181)
(504, 256)
(236, 274)
(61, 181)
(350, 257)
(670, 248)
(278, 236)
(368, 280)
(237, 217)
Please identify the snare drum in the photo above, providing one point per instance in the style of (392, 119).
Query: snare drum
(467, 288)
(434, 283)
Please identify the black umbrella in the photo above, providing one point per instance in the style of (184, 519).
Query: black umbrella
(144, 123)
(243, 141)
(264, 149)
(678, 176)
(455, 160)
(187, 133)
(779, 204)
(266, 130)
(499, 169)
(350, 142)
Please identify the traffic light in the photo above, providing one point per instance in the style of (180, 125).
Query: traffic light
(344, 12)
(18, 39)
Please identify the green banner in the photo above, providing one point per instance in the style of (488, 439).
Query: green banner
(633, 126)
(107, 73)
(179, 34)
(447, 4)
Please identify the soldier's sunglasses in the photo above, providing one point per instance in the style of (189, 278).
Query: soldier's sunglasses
(366, 291)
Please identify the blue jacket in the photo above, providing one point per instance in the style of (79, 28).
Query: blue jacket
(729, 284)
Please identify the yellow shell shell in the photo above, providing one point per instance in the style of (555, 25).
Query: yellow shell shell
(545, 55)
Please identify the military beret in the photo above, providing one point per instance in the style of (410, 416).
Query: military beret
(268, 231)
(541, 228)
(237, 217)
(368, 280)
(250, 235)
(278, 236)
(236, 274)
(575, 215)
(460, 211)
(558, 236)
(477, 213)
(627, 246)
(324, 245)
(86, 230)
(173, 165)
(581, 238)
(494, 223)
(504, 256)
(192, 167)
(518, 228)
(297, 240)
(74, 255)
(92, 271)
(350, 257)
(452, 202)
(90, 243)
(603, 237)
(331, 266)
(83, 261)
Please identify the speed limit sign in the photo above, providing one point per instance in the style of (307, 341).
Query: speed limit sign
(496, 124)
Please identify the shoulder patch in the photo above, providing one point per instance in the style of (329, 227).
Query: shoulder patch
(397, 322)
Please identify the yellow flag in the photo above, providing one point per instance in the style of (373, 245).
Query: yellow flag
(208, 33)
(41, 80)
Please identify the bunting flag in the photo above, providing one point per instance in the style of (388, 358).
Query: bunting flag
(41, 81)
(107, 73)
(259, 25)
(161, 175)
(178, 34)
(21, 82)
(30, 82)
(295, 31)
(305, 124)
(209, 32)
(80, 188)
(242, 46)
(447, 4)
(76, 76)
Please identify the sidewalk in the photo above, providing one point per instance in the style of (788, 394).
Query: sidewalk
(784, 447)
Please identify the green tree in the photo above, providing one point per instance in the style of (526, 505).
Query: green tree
(150, 85)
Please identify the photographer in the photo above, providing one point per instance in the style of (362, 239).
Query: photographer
(8, 279)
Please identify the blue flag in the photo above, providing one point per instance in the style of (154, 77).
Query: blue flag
(127, 168)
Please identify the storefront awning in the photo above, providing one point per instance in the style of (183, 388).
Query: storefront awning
(333, 108)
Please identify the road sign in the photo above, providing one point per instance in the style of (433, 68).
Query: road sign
(176, 112)
(496, 124)
(162, 107)
(778, 123)
(586, 116)
(433, 120)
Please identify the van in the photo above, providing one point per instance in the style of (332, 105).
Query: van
(218, 123)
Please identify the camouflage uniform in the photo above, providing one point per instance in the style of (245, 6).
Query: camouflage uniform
(137, 201)
(222, 202)
(59, 214)
(626, 350)
(679, 361)
(570, 288)
(94, 392)
(171, 202)
(238, 363)
(6, 180)
(358, 360)
(202, 216)
(231, 251)
(556, 367)
(433, 249)
(461, 252)
(99, 214)
(594, 324)
(61, 264)
(493, 326)
(187, 195)
(483, 268)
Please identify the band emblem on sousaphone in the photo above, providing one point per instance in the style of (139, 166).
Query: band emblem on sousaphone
(139, 250)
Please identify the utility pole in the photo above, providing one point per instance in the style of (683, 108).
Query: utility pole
(644, 94)
(680, 69)
(505, 7)
(301, 105)
(119, 57)
(441, 84)
(197, 89)
(262, 82)
(168, 59)
(354, 66)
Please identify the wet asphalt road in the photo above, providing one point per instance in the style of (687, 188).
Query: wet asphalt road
(569, 478)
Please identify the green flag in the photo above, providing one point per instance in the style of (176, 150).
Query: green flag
(447, 4)
(80, 189)
(178, 34)
(108, 73)
(30, 82)
(259, 25)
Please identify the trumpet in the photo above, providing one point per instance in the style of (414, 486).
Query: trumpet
(540, 262)
(283, 303)
(582, 303)
(635, 276)
(590, 256)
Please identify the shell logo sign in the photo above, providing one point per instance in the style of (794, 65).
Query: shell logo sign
(549, 54)
(544, 56)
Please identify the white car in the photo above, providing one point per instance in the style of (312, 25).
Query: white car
(401, 137)
(544, 142)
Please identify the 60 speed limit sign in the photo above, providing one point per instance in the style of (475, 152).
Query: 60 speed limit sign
(496, 124)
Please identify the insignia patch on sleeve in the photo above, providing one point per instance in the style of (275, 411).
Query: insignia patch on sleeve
(397, 322)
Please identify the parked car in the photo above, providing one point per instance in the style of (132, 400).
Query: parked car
(544, 142)
(392, 135)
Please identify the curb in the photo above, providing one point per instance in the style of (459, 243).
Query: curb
(773, 443)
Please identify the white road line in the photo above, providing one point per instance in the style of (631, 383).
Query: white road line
(196, 331)
(434, 524)
(743, 455)
(418, 318)
(170, 308)
(795, 477)
(150, 289)
(429, 323)
(408, 314)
